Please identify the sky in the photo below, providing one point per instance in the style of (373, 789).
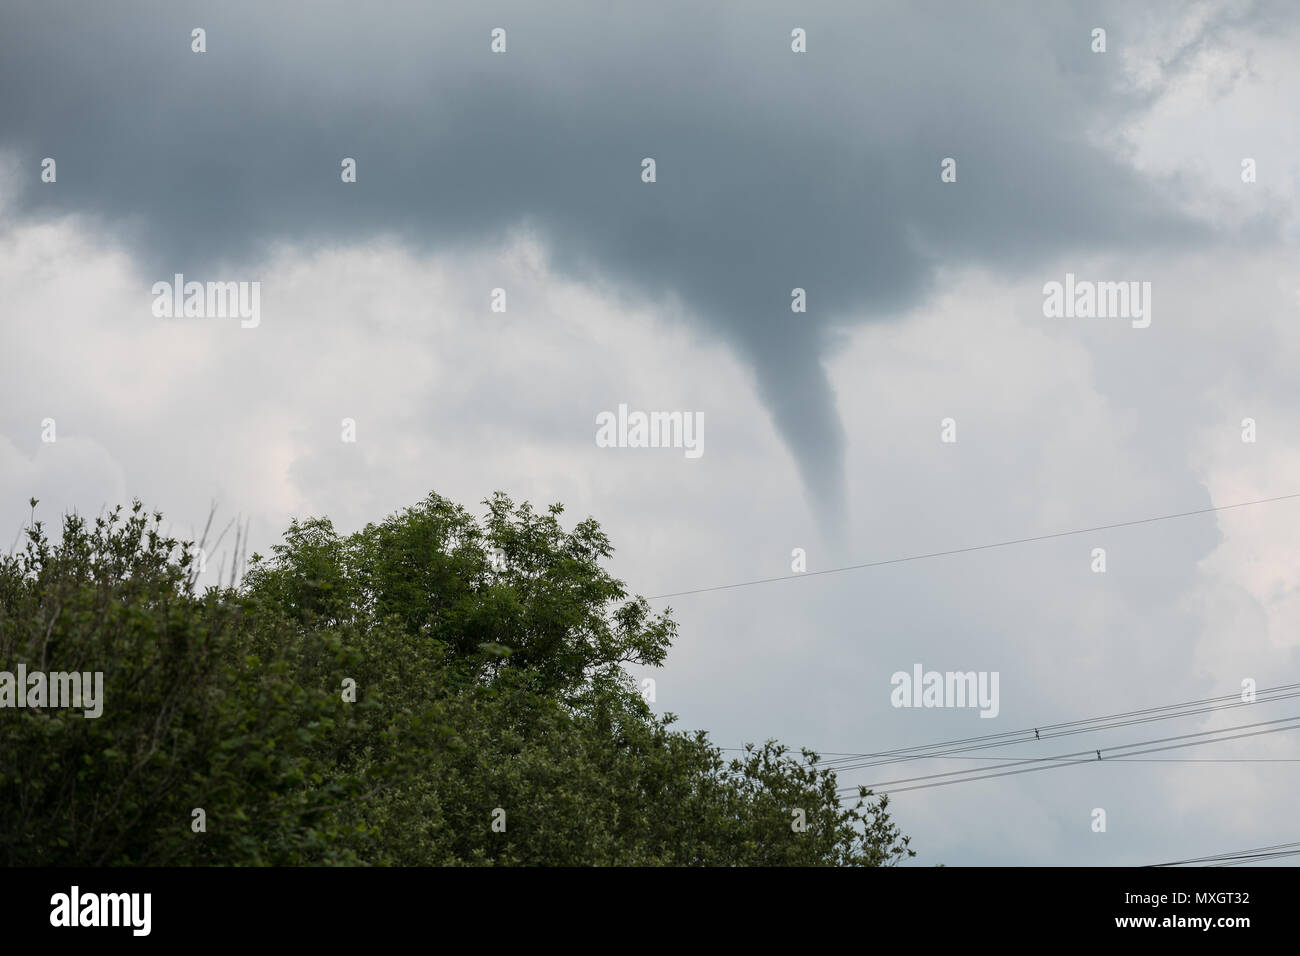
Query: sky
(823, 430)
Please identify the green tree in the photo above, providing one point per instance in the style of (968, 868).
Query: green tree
(487, 659)
(204, 708)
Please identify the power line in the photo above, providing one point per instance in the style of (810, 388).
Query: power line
(1151, 759)
(1091, 728)
(978, 547)
(847, 761)
(1240, 856)
(1055, 760)
(1261, 856)
(1065, 760)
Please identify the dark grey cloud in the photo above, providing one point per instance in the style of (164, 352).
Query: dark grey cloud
(775, 170)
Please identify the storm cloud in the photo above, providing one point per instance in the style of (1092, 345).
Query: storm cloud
(775, 170)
